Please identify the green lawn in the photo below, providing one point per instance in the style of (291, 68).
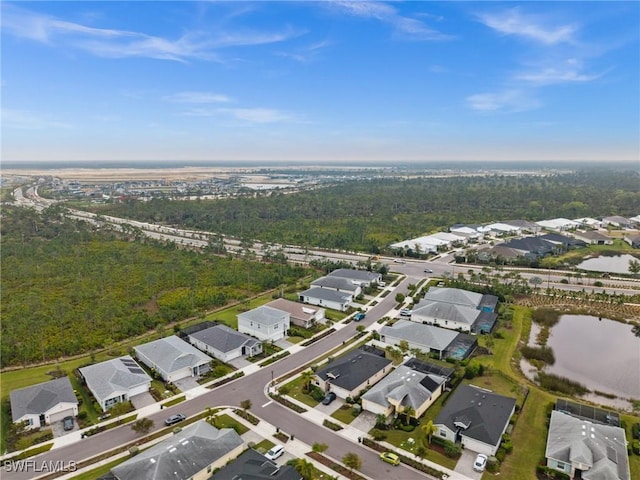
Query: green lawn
(264, 446)
(225, 421)
(401, 439)
(295, 391)
(345, 415)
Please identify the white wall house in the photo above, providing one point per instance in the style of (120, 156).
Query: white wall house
(300, 315)
(339, 284)
(225, 343)
(265, 323)
(44, 403)
(173, 358)
(326, 298)
(115, 381)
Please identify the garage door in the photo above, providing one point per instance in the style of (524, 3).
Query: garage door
(56, 417)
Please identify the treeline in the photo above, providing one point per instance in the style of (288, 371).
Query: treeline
(67, 289)
(368, 215)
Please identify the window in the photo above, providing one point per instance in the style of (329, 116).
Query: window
(560, 465)
(443, 433)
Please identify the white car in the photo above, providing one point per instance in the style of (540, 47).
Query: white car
(399, 260)
(480, 463)
(275, 452)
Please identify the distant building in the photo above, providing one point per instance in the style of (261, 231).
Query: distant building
(299, 314)
(44, 403)
(225, 343)
(264, 323)
(363, 278)
(173, 358)
(326, 298)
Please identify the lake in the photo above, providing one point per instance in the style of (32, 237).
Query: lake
(614, 264)
(603, 355)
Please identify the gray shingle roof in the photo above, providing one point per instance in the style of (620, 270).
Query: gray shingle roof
(326, 294)
(223, 338)
(264, 315)
(601, 447)
(118, 375)
(181, 456)
(338, 283)
(432, 337)
(446, 311)
(352, 369)
(295, 309)
(360, 275)
(253, 466)
(40, 398)
(404, 385)
(453, 295)
(485, 413)
(172, 354)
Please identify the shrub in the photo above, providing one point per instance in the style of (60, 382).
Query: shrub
(547, 472)
(545, 316)
(317, 394)
(560, 384)
(452, 450)
(379, 436)
(635, 446)
(543, 354)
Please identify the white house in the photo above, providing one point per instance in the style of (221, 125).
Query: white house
(588, 222)
(446, 315)
(425, 338)
(593, 238)
(326, 298)
(44, 403)
(475, 417)
(339, 284)
(225, 343)
(595, 451)
(402, 388)
(115, 381)
(173, 358)
(558, 224)
(299, 314)
(265, 323)
(360, 277)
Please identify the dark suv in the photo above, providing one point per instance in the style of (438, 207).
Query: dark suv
(67, 423)
(329, 397)
(173, 419)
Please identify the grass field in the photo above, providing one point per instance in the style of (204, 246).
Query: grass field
(295, 391)
(345, 415)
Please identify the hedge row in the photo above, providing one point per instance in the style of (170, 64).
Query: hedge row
(318, 337)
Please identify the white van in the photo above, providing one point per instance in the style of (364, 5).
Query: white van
(275, 452)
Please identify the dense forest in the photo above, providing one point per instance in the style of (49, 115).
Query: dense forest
(368, 215)
(67, 289)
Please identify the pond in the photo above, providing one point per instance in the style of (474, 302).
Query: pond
(603, 355)
(614, 264)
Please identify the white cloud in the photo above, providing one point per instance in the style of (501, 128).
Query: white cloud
(385, 13)
(534, 27)
(511, 100)
(259, 115)
(569, 71)
(306, 54)
(26, 120)
(113, 43)
(197, 97)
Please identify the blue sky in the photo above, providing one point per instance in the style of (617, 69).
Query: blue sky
(320, 81)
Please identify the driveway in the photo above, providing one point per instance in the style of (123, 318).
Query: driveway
(58, 430)
(364, 422)
(329, 409)
(142, 400)
(187, 383)
(465, 464)
(240, 362)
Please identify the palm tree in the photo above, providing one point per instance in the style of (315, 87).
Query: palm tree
(429, 429)
(304, 468)
(381, 421)
(306, 377)
(408, 412)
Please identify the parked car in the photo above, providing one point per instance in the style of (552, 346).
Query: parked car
(382, 284)
(328, 398)
(173, 419)
(67, 423)
(358, 316)
(275, 452)
(390, 457)
(480, 463)
(428, 270)
(405, 312)
(399, 260)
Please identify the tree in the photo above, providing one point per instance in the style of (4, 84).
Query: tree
(142, 426)
(395, 354)
(634, 266)
(245, 404)
(403, 346)
(305, 468)
(306, 377)
(381, 421)
(400, 297)
(319, 447)
(429, 429)
(120, 409)
(352, 461)
(408, 412)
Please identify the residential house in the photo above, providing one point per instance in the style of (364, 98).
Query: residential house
(586, 450)
(44, 403)
(562, 242)
(633, 240)
(533, 247)
(453, 317)
(472, 234)
(191, 454)
(500, 254)
(424, 244)
(115, 381)
(225, 343)
(476, 418)
(351, 373)
(265, 323)
(426, 338)
(360, 277)
(326, 298)
(402, 388)
(591, 237)
(252, 465)
(524, 226)
(431, 368)
(558, 224)
(500, 229)
(173, 358)
(338, 284)
(465, 298)
(450, 238)
(588, 222)
(616, 221)
(300, 315)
